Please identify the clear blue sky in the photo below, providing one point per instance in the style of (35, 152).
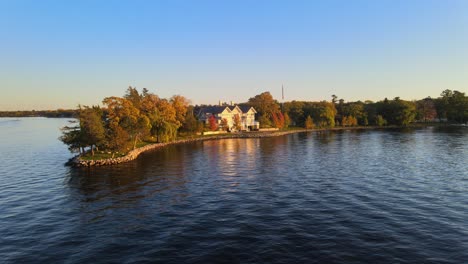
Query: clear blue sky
(57, 54)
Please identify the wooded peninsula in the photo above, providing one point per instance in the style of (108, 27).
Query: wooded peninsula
(141, 118)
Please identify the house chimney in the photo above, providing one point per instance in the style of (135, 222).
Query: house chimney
(220, 103)
(232, 103)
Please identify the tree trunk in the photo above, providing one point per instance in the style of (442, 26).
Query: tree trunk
(134, 143)
(92, 150)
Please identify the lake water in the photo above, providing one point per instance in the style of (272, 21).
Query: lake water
(381, 196)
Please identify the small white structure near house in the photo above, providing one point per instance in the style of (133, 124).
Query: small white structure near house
(246, 115)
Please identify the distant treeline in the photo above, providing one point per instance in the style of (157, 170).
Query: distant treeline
(451, 107)
(62, 113)
(145, 117)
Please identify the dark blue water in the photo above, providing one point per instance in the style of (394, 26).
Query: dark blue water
(386, 196)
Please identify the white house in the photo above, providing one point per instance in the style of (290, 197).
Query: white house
(246, 115)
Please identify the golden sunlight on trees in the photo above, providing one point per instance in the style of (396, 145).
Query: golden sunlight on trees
(237, 123)
(309, 123)
(265, 106)
(145, 117)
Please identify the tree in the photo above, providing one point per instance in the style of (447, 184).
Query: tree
(380, 121)
(295, 111)
(334, 98)
(396, 112)
(213, 123)
(344, 121)
(404, 112)
(72, 137)
(190, 123)
(453, 105)
(237, 124)
(180, 105)
(309, 123)
(278, 120)
(355, 110)
(149, 103)
(425, 109)
(92, 127)
(327, 112)
(116, 139)
(265, 106)
(133, 96)
(163, 131)
(287, 120)
(121, 112)
(224, 124)
(89, 132)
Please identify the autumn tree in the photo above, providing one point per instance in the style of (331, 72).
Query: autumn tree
(278, 120)
(309, 123)
(224, 124)
(237, 123)
(122, 113)
(117, 139)
(213, 123)
(265, 106)
(180, 105)
(349, 121)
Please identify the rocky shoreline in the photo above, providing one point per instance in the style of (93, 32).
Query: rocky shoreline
(133, 154)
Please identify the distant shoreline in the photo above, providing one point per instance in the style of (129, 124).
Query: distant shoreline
(133, 154)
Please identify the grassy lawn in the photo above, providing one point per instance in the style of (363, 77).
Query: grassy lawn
(100, 155)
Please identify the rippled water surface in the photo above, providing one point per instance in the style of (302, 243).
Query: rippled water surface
(383, 196)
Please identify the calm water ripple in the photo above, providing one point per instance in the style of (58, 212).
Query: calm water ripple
(384, 196)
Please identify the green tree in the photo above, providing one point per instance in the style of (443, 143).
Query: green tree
(380, 121)
(287, 120)
(89, 132)
(190, 123)
(72, 137)
(295, 111)
(453, 105)
(425, 109)
(163, 130)
(92, 127)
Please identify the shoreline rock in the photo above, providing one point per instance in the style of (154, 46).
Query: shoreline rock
(133, 154)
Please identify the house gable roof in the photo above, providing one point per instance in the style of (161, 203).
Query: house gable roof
(214, 110)
(236, 108)
(246, 109)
